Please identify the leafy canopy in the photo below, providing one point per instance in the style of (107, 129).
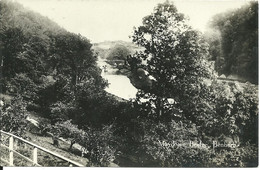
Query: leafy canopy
(235, 47)
(174, 58)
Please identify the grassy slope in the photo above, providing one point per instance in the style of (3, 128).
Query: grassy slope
(46, 142)
(43, 158)
(63, 149)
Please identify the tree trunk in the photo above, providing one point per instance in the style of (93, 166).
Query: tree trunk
(71, 144)
(159, 108)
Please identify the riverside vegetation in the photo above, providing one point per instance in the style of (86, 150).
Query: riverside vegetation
(52, 73)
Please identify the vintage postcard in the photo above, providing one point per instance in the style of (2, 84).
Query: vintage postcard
(129, 83)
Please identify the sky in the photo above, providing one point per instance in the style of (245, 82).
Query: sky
(111, 20)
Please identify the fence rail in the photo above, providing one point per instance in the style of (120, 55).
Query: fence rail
(34, 159)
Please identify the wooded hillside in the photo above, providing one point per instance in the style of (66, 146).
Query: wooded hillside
(234, 42)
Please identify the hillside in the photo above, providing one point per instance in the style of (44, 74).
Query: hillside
(43, 63)
(103, 48)
(52, 74)
(233, 40)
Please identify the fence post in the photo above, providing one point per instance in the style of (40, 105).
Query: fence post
(11, 153)
(35, 156)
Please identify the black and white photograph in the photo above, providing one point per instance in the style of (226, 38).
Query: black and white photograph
(129, 83)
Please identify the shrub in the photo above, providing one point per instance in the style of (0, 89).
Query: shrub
(69, 131)
(13, 117)
(174, 144)
(235, 110)
(245, 156)
(100, 145)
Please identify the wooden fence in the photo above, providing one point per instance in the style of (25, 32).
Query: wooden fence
(34, 159)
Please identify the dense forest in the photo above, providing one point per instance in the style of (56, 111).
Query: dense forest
(233, 42)
(52, 73)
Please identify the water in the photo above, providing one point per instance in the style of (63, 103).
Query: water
(119, 85)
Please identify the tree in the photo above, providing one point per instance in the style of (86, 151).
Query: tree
(72, 57)
(174, 58)
(118, 52)
(13, 41)
(70, 131)
(48, 66)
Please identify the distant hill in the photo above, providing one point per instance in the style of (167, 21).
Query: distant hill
(103, 48)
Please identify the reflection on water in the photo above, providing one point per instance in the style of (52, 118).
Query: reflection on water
(119, 85)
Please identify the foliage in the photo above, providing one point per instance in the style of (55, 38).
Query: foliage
(174, 57)
(235, 48)
(69, 131)
(94, 106)
(178, 144)
(245, 156)
(44, 127)
(13, 116)
(184, 89)
(72, 56)
(169, 144)
(234, 108)
(103, 49)
(118, 52)
(22, 84)
(100, 145)
(97, 144)
(48, 66)
(54, 72)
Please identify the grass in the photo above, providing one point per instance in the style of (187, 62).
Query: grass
(63, 150)
(44, 159)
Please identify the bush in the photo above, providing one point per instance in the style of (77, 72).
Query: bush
(174, 144)
(97, 144)
(69, 131)
(100, 146)
(235, 110)
(60, 111)
(13, 117)
(245, 156)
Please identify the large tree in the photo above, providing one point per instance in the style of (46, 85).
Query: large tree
(174, 58)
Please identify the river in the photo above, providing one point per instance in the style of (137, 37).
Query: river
(119, 85)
